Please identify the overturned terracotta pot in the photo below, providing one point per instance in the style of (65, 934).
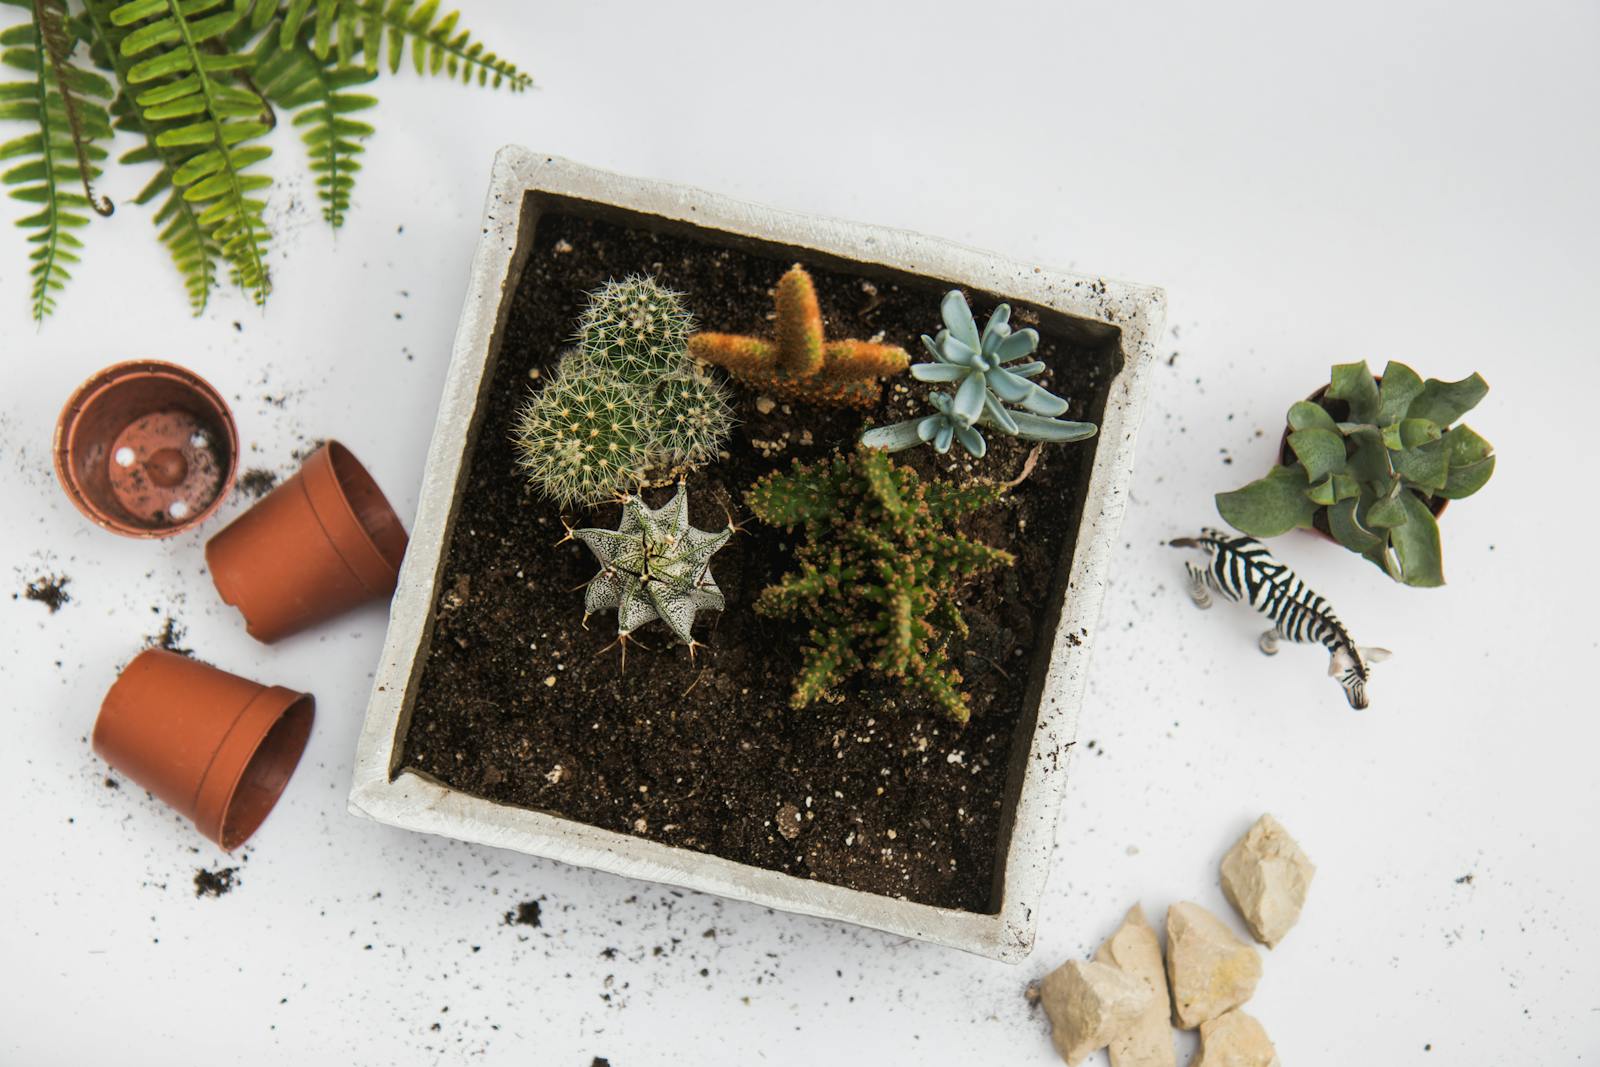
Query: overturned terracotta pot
(320, 544)
(217, 747)
(146, 448)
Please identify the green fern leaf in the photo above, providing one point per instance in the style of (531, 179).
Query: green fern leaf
(63, 104)
(206, 120)
(318, 92)
(436, 46)
(177, 221)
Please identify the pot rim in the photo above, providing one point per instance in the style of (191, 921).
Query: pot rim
(1125, 314)
(63, 441)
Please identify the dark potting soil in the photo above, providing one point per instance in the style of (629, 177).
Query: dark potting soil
(520, 703)
(527, 914)
(257, 482)
(219, 882)
(50, 590)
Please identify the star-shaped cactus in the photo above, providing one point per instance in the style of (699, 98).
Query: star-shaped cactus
(654, 566)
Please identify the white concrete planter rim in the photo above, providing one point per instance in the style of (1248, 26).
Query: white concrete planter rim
(1128, 315)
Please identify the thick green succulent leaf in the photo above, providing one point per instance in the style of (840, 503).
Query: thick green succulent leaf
(897, 436)
(1271, 505)
(1416, 544)
(1038, 428)
(1427, 465)
(1321, 452)
(1389, 512)
(1345, 524)
(1370, 458)
(1324, 492)
(1309, 415)
(1414, 432)
(1345, 487)
(1400, 386)
(1445, 402)
(1352, 383)
(1466, 447)
(1468, 479)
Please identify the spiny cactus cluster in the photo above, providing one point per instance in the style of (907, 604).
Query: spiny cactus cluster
(879, 572)
(799, 363)
(990, 382)
(654, 566)
(628, 399)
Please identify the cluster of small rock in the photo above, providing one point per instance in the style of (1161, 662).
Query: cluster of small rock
(1127, 1001)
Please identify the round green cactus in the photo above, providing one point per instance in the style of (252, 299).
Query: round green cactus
(694, 416)
(585, 436)
(639, 327)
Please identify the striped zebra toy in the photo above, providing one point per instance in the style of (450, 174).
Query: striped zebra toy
(1241, 568)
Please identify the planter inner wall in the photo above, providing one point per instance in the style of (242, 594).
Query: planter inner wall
(996, 743)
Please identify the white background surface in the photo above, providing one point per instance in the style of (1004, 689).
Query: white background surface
(1368, 180)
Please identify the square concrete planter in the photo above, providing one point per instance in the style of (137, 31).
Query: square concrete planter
(1126, 318)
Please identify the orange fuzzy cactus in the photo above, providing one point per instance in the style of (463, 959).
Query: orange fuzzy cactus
(799, 363)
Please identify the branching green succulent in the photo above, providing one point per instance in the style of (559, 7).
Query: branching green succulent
(198, 84)
(655, 565)
(879, 573)
(994, 390)
(627, 400)
(1369, 478)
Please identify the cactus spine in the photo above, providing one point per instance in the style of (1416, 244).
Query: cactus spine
(799, 363)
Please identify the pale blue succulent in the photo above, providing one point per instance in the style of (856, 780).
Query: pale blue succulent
(994, 390)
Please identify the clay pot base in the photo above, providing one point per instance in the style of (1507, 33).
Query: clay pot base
(164, 470)
(146, 449)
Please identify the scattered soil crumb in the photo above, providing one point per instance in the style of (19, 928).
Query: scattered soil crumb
(600, 1061)
(527, 914)
(215, 883)
(112, 783)
(50, 590)
(258, 482)
(1465, 879)
(170, 637)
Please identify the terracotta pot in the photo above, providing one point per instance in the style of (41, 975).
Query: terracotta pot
(217, 747)
(1286, 458)
(320, 544)
(146, 448)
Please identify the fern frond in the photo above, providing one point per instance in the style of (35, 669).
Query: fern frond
(60, 101)
(387, 29)
(193, 251)
(187, 84)
(317, 90)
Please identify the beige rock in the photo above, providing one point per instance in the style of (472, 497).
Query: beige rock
(1235, 1040)
(1136, 951)
(1266, 875)
(1211, 971)
(1090, 1005)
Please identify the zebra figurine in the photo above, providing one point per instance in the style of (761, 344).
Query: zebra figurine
(1241, 568)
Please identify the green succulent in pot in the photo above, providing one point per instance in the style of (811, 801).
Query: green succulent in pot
(1371, 462)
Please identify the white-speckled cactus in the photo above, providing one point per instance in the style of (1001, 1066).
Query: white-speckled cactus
(654, 566)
